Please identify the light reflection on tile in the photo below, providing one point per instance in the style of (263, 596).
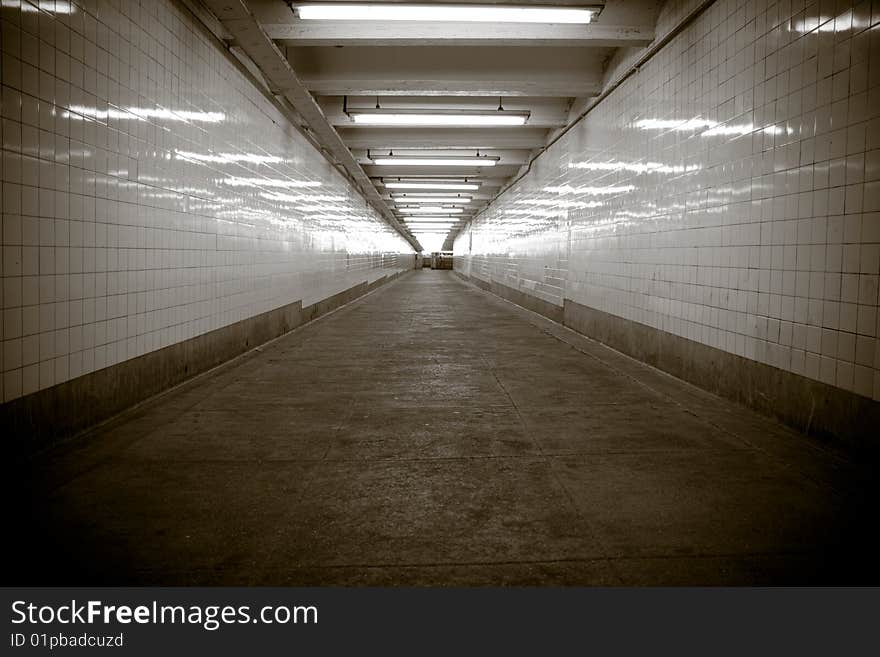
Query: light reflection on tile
(150, 194)
(727, 193)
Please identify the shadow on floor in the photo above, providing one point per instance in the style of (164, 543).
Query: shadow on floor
(432, 434)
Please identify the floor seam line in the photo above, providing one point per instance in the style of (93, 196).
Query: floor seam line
(663, 395)
(547, 461)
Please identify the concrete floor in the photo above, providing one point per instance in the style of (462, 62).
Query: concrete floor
(431, 433)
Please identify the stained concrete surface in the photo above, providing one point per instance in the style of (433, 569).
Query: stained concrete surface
(433, 434)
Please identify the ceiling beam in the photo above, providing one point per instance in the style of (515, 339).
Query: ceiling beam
(545, 113)
(326, 86)
(505, 156)
(477, 197)
(500, 171)
(238, 20)
(465, 71)
(442, 138)
(452, 33)
(488, 186)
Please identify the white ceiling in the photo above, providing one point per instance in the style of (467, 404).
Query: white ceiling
(322, 67)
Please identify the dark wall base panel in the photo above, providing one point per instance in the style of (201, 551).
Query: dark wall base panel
(804, 404)
(519, 298)
(37, 420)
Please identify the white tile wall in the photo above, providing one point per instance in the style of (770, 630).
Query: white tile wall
(151, 194)
(729, 193)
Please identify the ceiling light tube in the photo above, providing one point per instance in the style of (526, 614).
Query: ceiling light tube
(431, 185)
(476, 161)
(445, 12)
(435, 222)
(431, 199)
(437, 196)
(431, 209)
(400, 117)
(432, 219)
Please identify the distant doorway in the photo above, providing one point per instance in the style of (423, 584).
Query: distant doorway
(440, 260)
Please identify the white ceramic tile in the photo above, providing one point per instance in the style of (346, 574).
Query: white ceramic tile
(152, 194)
(728, 186)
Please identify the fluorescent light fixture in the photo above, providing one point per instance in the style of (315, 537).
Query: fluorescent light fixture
(476, 161)
(431, 219)
(438, 117)
(433, 222)
(431, 199)
(445, 12)
(431, 185)
(430, 209)
(436, 196)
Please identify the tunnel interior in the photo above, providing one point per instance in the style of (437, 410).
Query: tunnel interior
(475, 294)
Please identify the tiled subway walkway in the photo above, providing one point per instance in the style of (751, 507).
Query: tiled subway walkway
(431, 433)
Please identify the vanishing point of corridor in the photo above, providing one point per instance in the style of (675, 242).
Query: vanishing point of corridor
(431, 433)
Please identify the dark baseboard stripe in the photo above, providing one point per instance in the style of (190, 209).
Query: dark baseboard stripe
(539, 306)
(807, 405)
(36, 421)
